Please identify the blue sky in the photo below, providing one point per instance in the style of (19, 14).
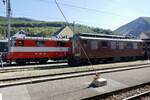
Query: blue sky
(107, 14)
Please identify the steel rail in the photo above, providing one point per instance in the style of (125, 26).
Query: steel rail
(137, 95)
(120, 91)
(54, 66)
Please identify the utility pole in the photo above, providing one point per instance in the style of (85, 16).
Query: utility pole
(73, 26)
(8, 15)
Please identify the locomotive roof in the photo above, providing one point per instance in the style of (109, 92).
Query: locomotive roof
(102, 35)
(43, 38)
(111, 39)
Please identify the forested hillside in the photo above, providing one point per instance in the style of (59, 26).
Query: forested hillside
(43, 28)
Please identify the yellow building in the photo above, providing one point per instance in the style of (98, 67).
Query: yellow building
(64, 32)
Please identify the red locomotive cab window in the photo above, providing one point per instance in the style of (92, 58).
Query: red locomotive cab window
(61, 43)
(40, 43)
(20, 43)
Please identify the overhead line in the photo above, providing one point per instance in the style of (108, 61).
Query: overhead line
(61, 11)
(95, 10)
(78, 21)
(85, 8)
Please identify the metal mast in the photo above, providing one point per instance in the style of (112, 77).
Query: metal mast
(8, 14)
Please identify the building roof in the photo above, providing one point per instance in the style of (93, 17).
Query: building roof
(57, 33)
(145, 35)
(64, 32)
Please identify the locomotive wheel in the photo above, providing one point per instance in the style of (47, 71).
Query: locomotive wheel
(20, 62)
(43, 61)
(73, 62)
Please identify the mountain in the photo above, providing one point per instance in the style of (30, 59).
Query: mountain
(135, 28)
(44, 28)
(16, 20)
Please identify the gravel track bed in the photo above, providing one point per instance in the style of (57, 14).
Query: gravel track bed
(122, 95)
(147, 97)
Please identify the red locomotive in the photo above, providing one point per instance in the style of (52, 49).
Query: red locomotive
(27, 49)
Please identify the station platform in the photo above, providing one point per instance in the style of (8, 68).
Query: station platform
(49, 69)
(76, 88)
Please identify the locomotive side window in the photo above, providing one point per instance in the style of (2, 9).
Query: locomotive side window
(113, 45)
(40, 43)
(21, 43)
(61, 43)
(121, 45)
(94, 45)
(104, 44)
(85, 42)
(129, 45)
(135, 45)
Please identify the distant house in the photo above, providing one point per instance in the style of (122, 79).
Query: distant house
(64, 32)
(145, 35)
(20, 34)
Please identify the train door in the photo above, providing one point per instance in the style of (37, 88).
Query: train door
(76, 51)
(146, 47)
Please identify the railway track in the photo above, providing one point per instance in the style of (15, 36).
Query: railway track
(33, 67)
(142, 96)
(52, 65)
(48, 77)
(138, 92)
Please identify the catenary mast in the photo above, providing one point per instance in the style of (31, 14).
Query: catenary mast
(8, 16)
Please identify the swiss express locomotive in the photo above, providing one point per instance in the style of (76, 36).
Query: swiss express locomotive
(36, 49)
